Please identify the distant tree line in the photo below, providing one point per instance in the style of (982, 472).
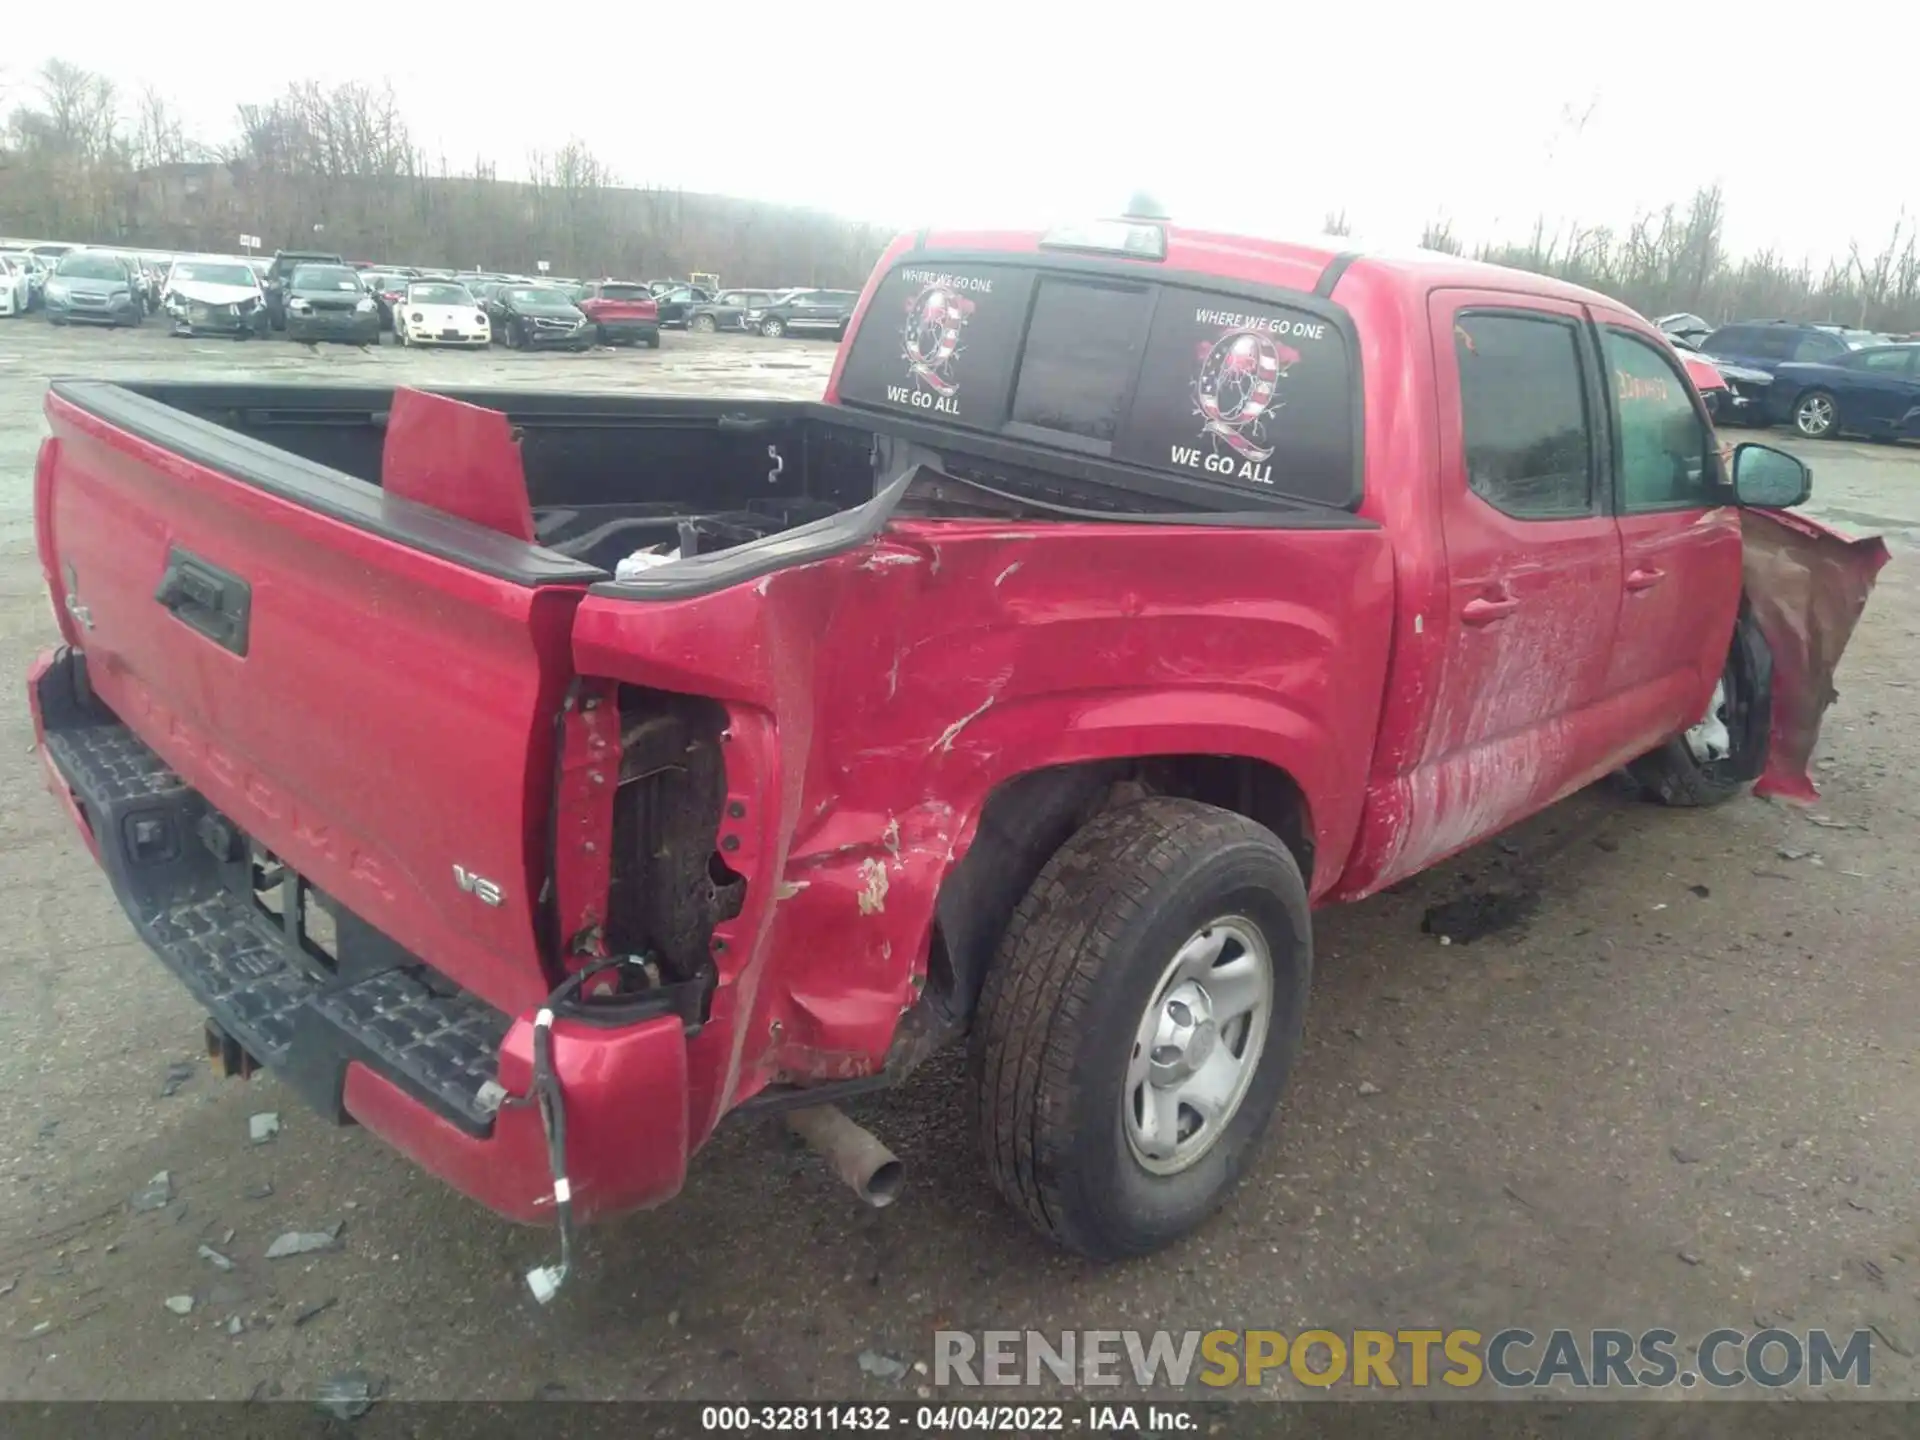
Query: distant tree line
(1675, 259)
(338, 169)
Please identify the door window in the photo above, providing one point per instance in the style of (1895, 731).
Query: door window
(1819, 346)
(1885, 362)
(1523, 403)
(1665, 449)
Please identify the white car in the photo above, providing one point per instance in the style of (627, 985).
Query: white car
(204, 294)
(16, 288)
(441, 312)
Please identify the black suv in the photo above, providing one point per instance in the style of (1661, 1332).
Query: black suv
(805, 312)
(1763, 344)
(274, 282)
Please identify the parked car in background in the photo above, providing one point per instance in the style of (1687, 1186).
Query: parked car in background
(152, 282)
(388, 288)
(1765, 344)
(677, 304)
(539, 317)
(94, 287)
(441, 312)
(16, 286)
(205, 295)
(1687, 327)
(34, 269)
(622, 311)
(328, 302)
(1739, 393)
(805, 312)
(280, 270)
(728, 310)
(482, 291)
(1873, 392)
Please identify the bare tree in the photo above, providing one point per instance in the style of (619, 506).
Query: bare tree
(1438, 235)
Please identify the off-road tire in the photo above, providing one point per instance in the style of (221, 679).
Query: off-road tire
(1673, 775)
(1062, 1002)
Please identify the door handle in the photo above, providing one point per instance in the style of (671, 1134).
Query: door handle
(1644, 579)
(1485, 612)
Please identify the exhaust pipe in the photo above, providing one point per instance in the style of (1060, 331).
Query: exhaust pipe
(855, 1153)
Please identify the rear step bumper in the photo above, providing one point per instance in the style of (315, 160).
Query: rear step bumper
(365, 1032)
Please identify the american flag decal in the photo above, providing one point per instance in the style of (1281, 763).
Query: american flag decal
(935, 318)
(1234, 390)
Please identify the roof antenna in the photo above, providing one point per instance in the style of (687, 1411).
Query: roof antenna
(1142, 206)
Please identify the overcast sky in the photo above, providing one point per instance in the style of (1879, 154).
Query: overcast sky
(1246, 117)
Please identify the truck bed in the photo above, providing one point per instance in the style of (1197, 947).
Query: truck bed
(609, 474)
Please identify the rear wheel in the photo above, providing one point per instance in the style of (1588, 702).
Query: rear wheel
(773, 327)
(1726, 749)
(653, 340)
(704, 324)
(1816, 415)
(1138, 1024)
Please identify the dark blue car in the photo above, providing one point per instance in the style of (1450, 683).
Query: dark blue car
(1873, 392)
(1768, 344)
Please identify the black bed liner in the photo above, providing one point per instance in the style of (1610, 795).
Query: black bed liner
(873, 460)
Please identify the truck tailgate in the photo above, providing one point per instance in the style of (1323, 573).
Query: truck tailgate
(367, 687)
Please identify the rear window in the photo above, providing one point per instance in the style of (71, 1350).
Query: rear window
(625, 292)
(1734, 340)
(1083, 345)
(1199, 383)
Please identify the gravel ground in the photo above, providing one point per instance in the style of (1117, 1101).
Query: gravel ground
(1681, 1093)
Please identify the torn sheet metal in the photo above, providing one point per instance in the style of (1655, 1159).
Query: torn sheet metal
(1807, 585)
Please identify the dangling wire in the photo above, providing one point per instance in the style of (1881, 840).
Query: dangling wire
(544, 1090)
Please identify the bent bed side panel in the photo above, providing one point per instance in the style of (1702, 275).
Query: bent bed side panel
(877, 696)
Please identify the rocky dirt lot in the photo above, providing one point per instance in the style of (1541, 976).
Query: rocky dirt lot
(1681, 1091)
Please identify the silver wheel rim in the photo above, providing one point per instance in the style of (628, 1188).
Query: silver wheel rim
(771, 329)
(1710, 740)
(703, 323)
(1816, 415)
(1198, 1045)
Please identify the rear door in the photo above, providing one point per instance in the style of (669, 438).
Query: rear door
(1909, 421)
(1875, 389)
(808, 310)
(1680, 539)
(1533, 559)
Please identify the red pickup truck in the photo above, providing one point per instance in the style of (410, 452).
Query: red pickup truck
(622, 312)
(1132, 591)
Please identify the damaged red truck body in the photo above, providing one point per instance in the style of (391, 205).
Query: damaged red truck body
(1132, 591)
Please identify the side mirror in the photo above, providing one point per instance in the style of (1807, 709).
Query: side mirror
(1764, 476)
